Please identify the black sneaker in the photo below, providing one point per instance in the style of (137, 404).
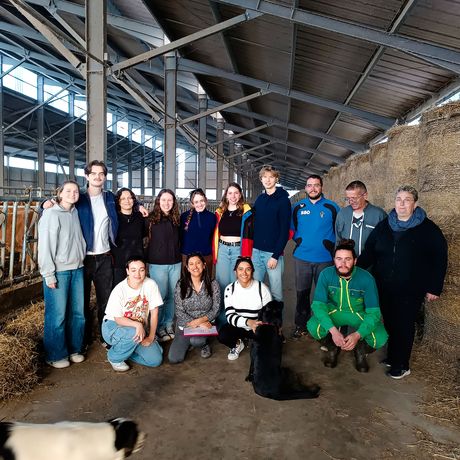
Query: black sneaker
(384, 362)
(398, 373)
(298, 333)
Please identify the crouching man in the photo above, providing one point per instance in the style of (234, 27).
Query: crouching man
(346, 295)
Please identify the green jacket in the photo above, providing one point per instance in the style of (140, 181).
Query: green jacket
(357, 295)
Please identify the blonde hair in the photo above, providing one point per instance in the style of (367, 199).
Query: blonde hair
(271, 170)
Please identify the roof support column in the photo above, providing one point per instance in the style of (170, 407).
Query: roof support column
(130, 155)
(231, 164)
(71, 134)
(203, 106)
(114, 152)
(41, 133)
(220, 156)
(142, 163)
(170, 173)
(2, 139)
(96, 80)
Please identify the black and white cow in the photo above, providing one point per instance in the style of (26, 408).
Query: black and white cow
(115, 439)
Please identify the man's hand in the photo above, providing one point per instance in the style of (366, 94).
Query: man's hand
(143, 211)
(48, 204)
(351, 340)
(337, 337)
(429, 297)
(272, 263)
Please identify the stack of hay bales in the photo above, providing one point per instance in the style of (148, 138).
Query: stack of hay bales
(19, 355)
(439, 179)
(401, 160)
(376, 182)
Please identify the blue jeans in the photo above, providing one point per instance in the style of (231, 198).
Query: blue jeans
(123, 347)
(166, 277)
(64, 315)
(226, 259)
(275, 275)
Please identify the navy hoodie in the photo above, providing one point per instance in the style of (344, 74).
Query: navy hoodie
(272, 217)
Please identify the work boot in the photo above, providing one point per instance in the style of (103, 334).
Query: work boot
(361, 350)
(332, 353)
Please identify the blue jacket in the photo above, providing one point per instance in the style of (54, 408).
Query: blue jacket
(271, 221)
(313, 227)
(86, 218)
(198, 236)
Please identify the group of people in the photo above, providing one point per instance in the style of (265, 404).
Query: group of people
(113, 242)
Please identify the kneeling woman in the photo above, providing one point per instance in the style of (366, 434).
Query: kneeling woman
(243, 299)
(197, 300)
(124, 327)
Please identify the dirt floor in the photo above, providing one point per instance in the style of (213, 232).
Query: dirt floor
(204, 409)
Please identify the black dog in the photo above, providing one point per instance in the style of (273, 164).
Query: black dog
(268, 378)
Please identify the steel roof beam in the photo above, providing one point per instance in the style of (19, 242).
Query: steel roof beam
(351, 29)
(243, 152)
(247, 16)
(244, 133)
(187, 65)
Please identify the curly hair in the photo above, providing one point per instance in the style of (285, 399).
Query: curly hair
(156, 215)
(118, 196)
(224, 202)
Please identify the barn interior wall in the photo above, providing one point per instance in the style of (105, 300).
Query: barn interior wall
(427, 157)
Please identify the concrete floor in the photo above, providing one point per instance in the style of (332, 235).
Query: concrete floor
(203, 409)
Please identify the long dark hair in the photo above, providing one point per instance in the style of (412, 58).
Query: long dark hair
(224, 202)
(156, 215)
(185, 282)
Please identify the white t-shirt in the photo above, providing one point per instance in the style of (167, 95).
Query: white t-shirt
(133, 303)
(101, 225)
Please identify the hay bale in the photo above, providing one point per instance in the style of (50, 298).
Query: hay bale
(402, 157)
(18, 365)
(444, 112)
(376, 184)
(29, 323)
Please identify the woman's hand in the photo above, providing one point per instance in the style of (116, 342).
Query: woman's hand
(140, 332)
(52, 285)
(199, 322)
(148, 341)
(252, 323)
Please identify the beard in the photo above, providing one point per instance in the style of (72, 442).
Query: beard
(344, 274)
(314, 197)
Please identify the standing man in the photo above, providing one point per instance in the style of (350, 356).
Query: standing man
(357, 220)
(312, 224)
(272, 212)
(99, 224)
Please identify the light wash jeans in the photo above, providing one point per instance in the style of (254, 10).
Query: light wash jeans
(166, 277)
(64, 315)
(226, 259)
(123, 347)
(275, 275)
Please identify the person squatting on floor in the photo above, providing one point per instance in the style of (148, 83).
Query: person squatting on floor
(407, 253)
(346, 295)
(312, 228)
(61, 251)
(126, 327)
(243, 299)
(197, 300)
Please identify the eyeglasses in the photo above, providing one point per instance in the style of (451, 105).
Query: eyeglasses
(353, 199)
(405, 201)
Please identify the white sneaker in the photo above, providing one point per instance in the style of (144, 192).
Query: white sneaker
(235, 352)
(60, 364)
(119, 367)
(77, 357)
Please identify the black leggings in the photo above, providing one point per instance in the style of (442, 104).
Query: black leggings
(229, 335)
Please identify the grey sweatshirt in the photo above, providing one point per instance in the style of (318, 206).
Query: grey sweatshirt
(60, 242)
(344, 225)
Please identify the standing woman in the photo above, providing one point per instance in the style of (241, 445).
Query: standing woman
(197, 228)
(61, 251)
(197, 301)
(164, 258)
(227, 235)
(131, 231)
